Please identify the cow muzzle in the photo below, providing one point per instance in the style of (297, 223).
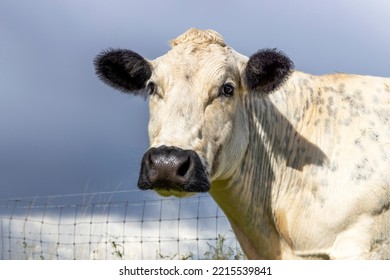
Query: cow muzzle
(171, 169)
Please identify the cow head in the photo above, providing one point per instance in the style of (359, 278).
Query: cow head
(198, 126)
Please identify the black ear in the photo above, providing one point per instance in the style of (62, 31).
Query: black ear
(123, 69)
(267, 69)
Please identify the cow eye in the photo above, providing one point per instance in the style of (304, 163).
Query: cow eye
(227, 90)
(151, 88)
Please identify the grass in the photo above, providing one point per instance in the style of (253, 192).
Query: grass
(218, 251)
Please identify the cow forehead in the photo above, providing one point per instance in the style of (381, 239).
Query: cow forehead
(193, 58)
(194, 53)
(199, 37)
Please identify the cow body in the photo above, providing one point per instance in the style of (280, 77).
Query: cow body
(298, 163)
(314, 180)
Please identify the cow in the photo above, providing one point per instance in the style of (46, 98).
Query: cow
(300, 164)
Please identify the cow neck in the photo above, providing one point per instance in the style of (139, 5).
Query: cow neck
(249, 197)
(246, 196)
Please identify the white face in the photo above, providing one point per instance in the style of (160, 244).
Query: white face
(198, 127)
(196, 103)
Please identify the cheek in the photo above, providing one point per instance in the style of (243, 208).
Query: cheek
(154, 125)
(218, 123)
(240, 132)
(230, 145)
(218, 130)
(152, 131)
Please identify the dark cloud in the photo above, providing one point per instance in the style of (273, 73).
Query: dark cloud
(62, 129)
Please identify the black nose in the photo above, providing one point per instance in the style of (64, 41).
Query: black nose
(172, 168)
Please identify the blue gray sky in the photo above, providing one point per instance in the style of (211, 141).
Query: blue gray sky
(63, 131)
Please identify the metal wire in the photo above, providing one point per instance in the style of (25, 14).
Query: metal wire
(110, 225)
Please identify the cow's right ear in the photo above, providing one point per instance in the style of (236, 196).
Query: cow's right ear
(123, 69)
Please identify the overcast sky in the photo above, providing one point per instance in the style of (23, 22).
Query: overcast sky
(63, 131)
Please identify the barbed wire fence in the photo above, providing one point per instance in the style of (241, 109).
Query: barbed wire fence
(114, 225)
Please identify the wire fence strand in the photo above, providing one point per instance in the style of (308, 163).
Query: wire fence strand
(113, 225)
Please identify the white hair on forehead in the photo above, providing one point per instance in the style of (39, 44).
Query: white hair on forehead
(200, 37)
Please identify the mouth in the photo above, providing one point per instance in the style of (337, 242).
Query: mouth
(175, 193)
(173, 171)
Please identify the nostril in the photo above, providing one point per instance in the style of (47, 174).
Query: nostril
(151, 167)
(150, 161)
(184, 167)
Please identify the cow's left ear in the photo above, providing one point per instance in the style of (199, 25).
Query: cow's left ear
(266, 70)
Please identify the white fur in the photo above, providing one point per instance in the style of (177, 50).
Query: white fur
(302, 172)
